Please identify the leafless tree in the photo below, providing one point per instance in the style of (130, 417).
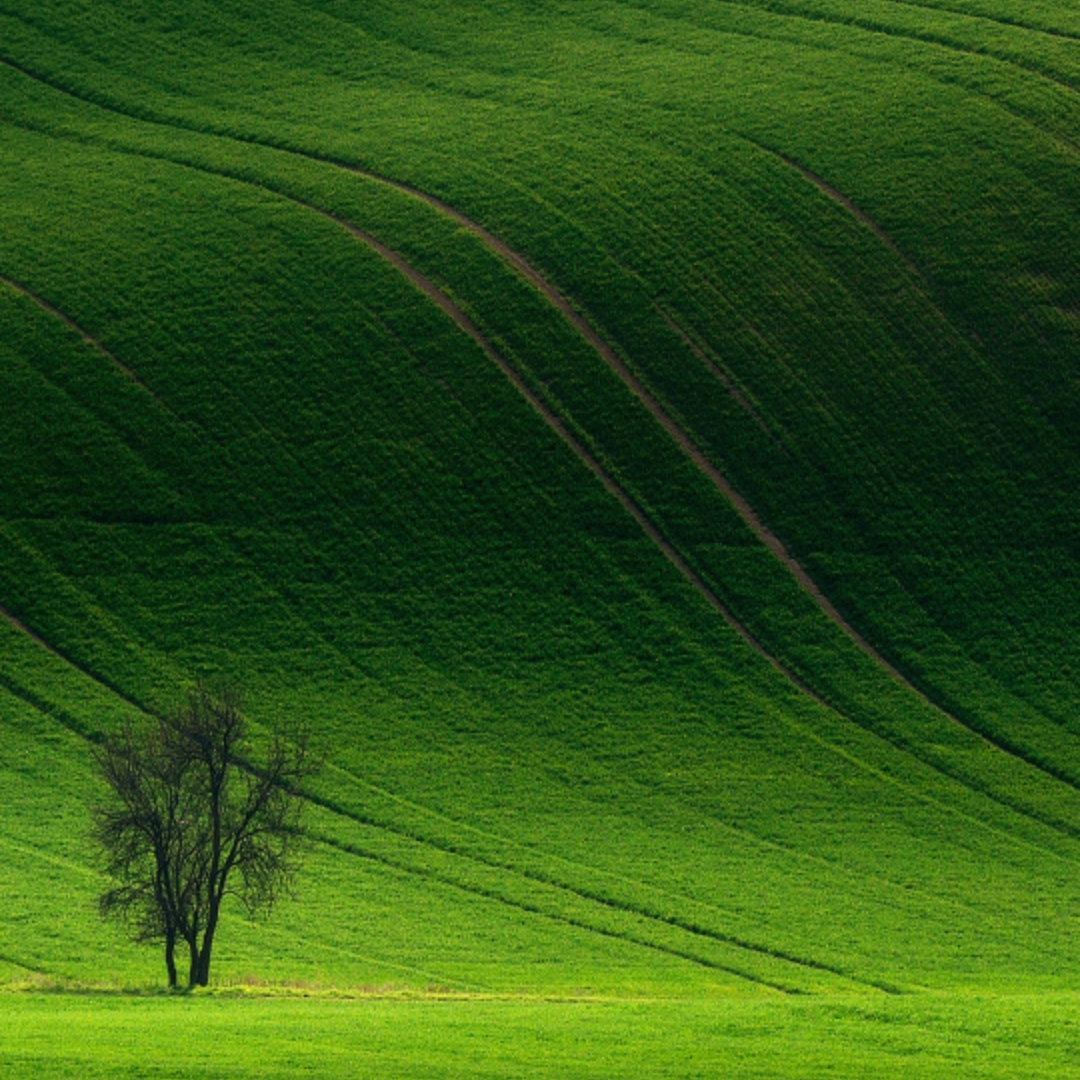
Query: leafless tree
(192, 816)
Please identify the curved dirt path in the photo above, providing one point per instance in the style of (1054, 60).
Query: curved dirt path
(715, 371)
(982, 16)
(585, 329)
(19, 625)
(530, 274)
(942, 40)
(31, 697)
(720, 482)
(841, 199)
(647, 525)
(521, 265)
(88, 338)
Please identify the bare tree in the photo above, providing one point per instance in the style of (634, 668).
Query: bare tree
(192, 817)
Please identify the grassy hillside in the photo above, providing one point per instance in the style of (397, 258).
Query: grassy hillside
(642, 439)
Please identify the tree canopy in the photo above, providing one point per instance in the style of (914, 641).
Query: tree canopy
(193, 814)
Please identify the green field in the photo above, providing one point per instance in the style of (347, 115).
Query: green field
(812, 1037)
(641, 438)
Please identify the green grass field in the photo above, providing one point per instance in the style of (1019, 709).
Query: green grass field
(978, 1037)
(642, 438)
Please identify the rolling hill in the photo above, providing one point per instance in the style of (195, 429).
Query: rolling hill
(642, 437)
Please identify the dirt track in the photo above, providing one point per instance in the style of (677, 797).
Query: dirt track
(636, 387)
(522, 266)
(24, 629)
(856, 212)
(430, 289)
(90, 340)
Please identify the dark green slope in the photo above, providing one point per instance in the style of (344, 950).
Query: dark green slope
(587, 728)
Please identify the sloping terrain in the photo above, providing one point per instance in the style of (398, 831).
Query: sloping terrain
(642, 438)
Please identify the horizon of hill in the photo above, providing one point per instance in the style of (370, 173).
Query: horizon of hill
(640, 437)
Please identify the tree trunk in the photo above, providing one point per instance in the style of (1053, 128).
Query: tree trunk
(207, 946)
(193, 971)
(170, 958)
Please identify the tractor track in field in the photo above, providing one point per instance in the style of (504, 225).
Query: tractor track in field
(87, 337)
(74, 725)
(40, 704)
(562, 919)
(520, 265)
(718, 373)
(25, 967)
(981, 16)
(537, 910)
(705, 465)
(940, 40)
(609, 355)
(47, 708)
(841, 199)
(558, 426)
(31, 634)
(663, 896)
(36, 851)
(677, 433)
(589, 896)
(464, 323)
(1027, 117)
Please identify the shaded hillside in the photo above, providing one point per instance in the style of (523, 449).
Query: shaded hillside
(642, 437)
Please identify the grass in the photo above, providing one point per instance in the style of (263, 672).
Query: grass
(380, 1035)
(833, 244)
